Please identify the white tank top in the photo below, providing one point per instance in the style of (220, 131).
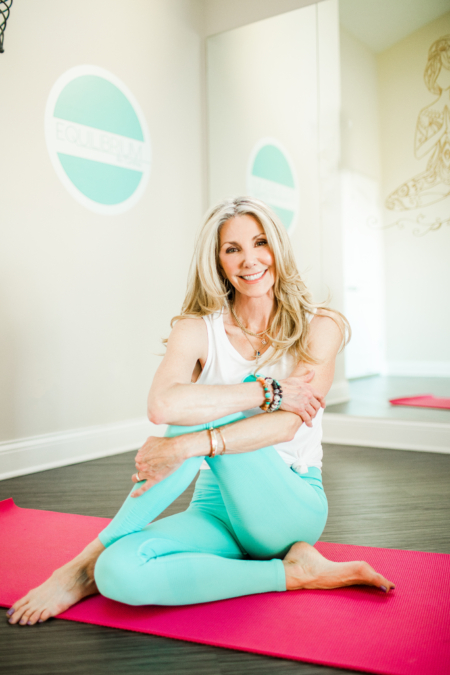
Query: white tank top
(225, 365)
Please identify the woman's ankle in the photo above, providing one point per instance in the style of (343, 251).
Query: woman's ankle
(88, 556)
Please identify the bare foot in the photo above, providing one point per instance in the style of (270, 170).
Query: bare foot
(305, 567)
(66, 586)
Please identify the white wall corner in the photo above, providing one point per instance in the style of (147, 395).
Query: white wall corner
(48, 451)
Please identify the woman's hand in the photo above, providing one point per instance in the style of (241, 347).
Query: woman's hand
(157, 459)
(301, 398)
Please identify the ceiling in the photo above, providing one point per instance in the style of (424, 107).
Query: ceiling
(382, 23)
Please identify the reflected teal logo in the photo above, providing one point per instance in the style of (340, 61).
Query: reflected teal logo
(271, 177)
(98, 140)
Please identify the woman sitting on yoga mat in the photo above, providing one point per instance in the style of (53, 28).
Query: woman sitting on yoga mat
(248, 337)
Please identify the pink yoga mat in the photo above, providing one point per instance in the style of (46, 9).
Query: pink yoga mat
(423, 401)
(404, 633)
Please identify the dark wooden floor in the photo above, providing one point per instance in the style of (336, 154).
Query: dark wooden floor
(385, 498)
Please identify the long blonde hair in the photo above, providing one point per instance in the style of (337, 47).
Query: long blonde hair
(209, 291)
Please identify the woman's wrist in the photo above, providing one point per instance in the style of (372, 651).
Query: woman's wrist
(196, 444)
(259, 392)
(201, 444)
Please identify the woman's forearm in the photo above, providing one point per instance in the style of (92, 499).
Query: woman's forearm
(188, 404)
(253, 433)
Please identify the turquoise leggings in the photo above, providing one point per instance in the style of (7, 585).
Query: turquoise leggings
(245, 514)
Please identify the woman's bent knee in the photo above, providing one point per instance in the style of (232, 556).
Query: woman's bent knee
(115, 577)
(134, 574)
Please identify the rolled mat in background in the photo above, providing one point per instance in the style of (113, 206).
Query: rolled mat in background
(406, 632)
(423, 401)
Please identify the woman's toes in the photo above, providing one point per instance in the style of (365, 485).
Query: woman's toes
(16, 607)
(369, 576)
(34, 617)
(381, 582)
(17, 614)
(386, 586)
(46, 614)
(25, 616)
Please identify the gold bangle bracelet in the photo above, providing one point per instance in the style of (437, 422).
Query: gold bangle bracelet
(213, 439)
(224, 449)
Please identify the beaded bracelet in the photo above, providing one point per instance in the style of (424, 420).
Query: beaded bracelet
(267, 395)
(277, 394)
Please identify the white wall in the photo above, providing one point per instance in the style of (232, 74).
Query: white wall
(360, 139)
(85, 298)
(417, 262)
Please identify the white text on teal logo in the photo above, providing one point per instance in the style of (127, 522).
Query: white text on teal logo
(98, 140)
(271, 178)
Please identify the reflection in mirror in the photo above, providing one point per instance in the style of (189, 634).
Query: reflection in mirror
(396, 206)
(273, 103)
(340, 121)
(263, 121)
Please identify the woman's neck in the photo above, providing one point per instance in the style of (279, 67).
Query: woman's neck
(255, 313)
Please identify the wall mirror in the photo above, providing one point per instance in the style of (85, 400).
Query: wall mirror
(338, 116)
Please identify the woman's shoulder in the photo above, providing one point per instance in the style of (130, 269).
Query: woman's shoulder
(187, 328)
(325, 312)
(328, 325)
(194, 326)
(188, 339)
(327, 317)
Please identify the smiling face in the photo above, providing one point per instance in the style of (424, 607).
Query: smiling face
(245, 256)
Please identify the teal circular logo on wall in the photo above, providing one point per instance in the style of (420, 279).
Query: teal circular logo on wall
(98, 139)
(271, 178)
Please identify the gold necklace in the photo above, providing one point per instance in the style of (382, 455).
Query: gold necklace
(257, 352)
(249, 332)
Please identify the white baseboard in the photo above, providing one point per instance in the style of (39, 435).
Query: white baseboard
(339, 393)
(39, 453)
(418, 368)
(375, 432)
